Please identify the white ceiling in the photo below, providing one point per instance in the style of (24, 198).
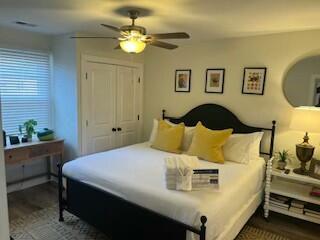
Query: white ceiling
(202, 19)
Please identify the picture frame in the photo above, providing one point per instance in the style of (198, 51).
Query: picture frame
(314, 170)
(182, 80)
(14, 140)
(254, 79)
(214, 80)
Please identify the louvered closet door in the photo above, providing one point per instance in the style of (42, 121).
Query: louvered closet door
(127, 106)
(100, 96)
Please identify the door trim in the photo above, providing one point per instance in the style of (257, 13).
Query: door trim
(96, 59)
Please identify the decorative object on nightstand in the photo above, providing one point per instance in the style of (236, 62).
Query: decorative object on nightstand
(29, 129)
(314, 170)
(305, 119)
(14, 140)
(315, 191)
(45, 135)
(283, 157)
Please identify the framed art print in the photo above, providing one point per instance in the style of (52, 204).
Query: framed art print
(183, 80)
(214, 80)
(254, 80)
(314, 170)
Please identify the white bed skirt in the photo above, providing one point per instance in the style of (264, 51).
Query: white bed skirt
(240, 218)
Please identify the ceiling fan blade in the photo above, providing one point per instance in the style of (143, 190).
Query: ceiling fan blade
(177, 35)
(111, 27)
(117, 47)
(95, 37)
(163, 45)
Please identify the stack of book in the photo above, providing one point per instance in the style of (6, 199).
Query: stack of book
(312, 210)
(279, 201)
(204, 178)
(297, 206)
(315, 192)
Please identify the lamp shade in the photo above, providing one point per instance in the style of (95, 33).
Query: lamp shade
(306, 119)
(132, 45)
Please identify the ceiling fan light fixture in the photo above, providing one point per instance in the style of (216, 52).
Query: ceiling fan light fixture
(134, 38)
(132, 45)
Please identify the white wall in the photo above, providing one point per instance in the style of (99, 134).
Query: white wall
(276, 52)
(17, 39)
(24, 40)
(298, 81)
(65, 93)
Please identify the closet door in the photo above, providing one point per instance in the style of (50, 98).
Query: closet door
(98, 97)
(127, 106)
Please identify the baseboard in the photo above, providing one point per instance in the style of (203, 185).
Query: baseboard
(26, 184)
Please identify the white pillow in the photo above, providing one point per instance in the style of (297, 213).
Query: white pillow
(255, 147)
(187, 138)
(241, 148)
(154, 130)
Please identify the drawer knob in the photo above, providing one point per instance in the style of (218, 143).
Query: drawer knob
(10, 156)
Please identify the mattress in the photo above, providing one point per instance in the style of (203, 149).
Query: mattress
(136, 173)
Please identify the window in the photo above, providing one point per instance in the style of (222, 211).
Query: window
(24, 88)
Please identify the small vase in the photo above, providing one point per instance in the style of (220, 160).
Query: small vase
(29, 138)
(24, 139)
(282, 165)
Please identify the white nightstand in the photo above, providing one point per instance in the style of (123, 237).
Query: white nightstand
(289, 185)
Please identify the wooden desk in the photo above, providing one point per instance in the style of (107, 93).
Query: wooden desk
(24, 152)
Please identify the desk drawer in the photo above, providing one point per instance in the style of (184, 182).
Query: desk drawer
(45, 149)
(16, 155)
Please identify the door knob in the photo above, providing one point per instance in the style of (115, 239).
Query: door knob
(119, 129)
(114, 129)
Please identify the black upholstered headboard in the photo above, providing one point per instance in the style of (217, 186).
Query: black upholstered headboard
(217, 117)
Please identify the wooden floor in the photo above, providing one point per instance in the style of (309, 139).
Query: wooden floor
(27, 201)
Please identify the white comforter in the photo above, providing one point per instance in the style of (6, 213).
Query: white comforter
(136, 173)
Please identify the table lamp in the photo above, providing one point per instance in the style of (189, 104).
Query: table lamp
(305, 119)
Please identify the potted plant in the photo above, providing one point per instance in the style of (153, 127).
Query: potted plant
(29, 129)
(283, 158)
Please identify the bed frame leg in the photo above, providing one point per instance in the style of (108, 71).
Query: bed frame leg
(203, 227)
(60, 185)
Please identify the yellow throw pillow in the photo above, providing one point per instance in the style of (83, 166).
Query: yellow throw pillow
(207, 144)
(169, 138)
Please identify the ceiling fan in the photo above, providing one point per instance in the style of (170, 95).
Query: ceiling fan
(134, 38)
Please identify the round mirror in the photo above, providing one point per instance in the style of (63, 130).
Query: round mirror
(301, 85)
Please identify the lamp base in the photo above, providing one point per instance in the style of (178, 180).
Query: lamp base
(301, 171)
(304, 153)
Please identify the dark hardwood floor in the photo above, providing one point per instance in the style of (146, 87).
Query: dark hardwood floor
(24, 202)
(286, 226)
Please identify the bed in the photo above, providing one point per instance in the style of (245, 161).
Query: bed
(122, 192)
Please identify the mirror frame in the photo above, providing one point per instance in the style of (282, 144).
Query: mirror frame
(309, 54)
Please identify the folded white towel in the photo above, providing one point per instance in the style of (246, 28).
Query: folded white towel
(180, 161)
(184, 179)
(179, 171)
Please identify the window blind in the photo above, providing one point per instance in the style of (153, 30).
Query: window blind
(24, 88)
